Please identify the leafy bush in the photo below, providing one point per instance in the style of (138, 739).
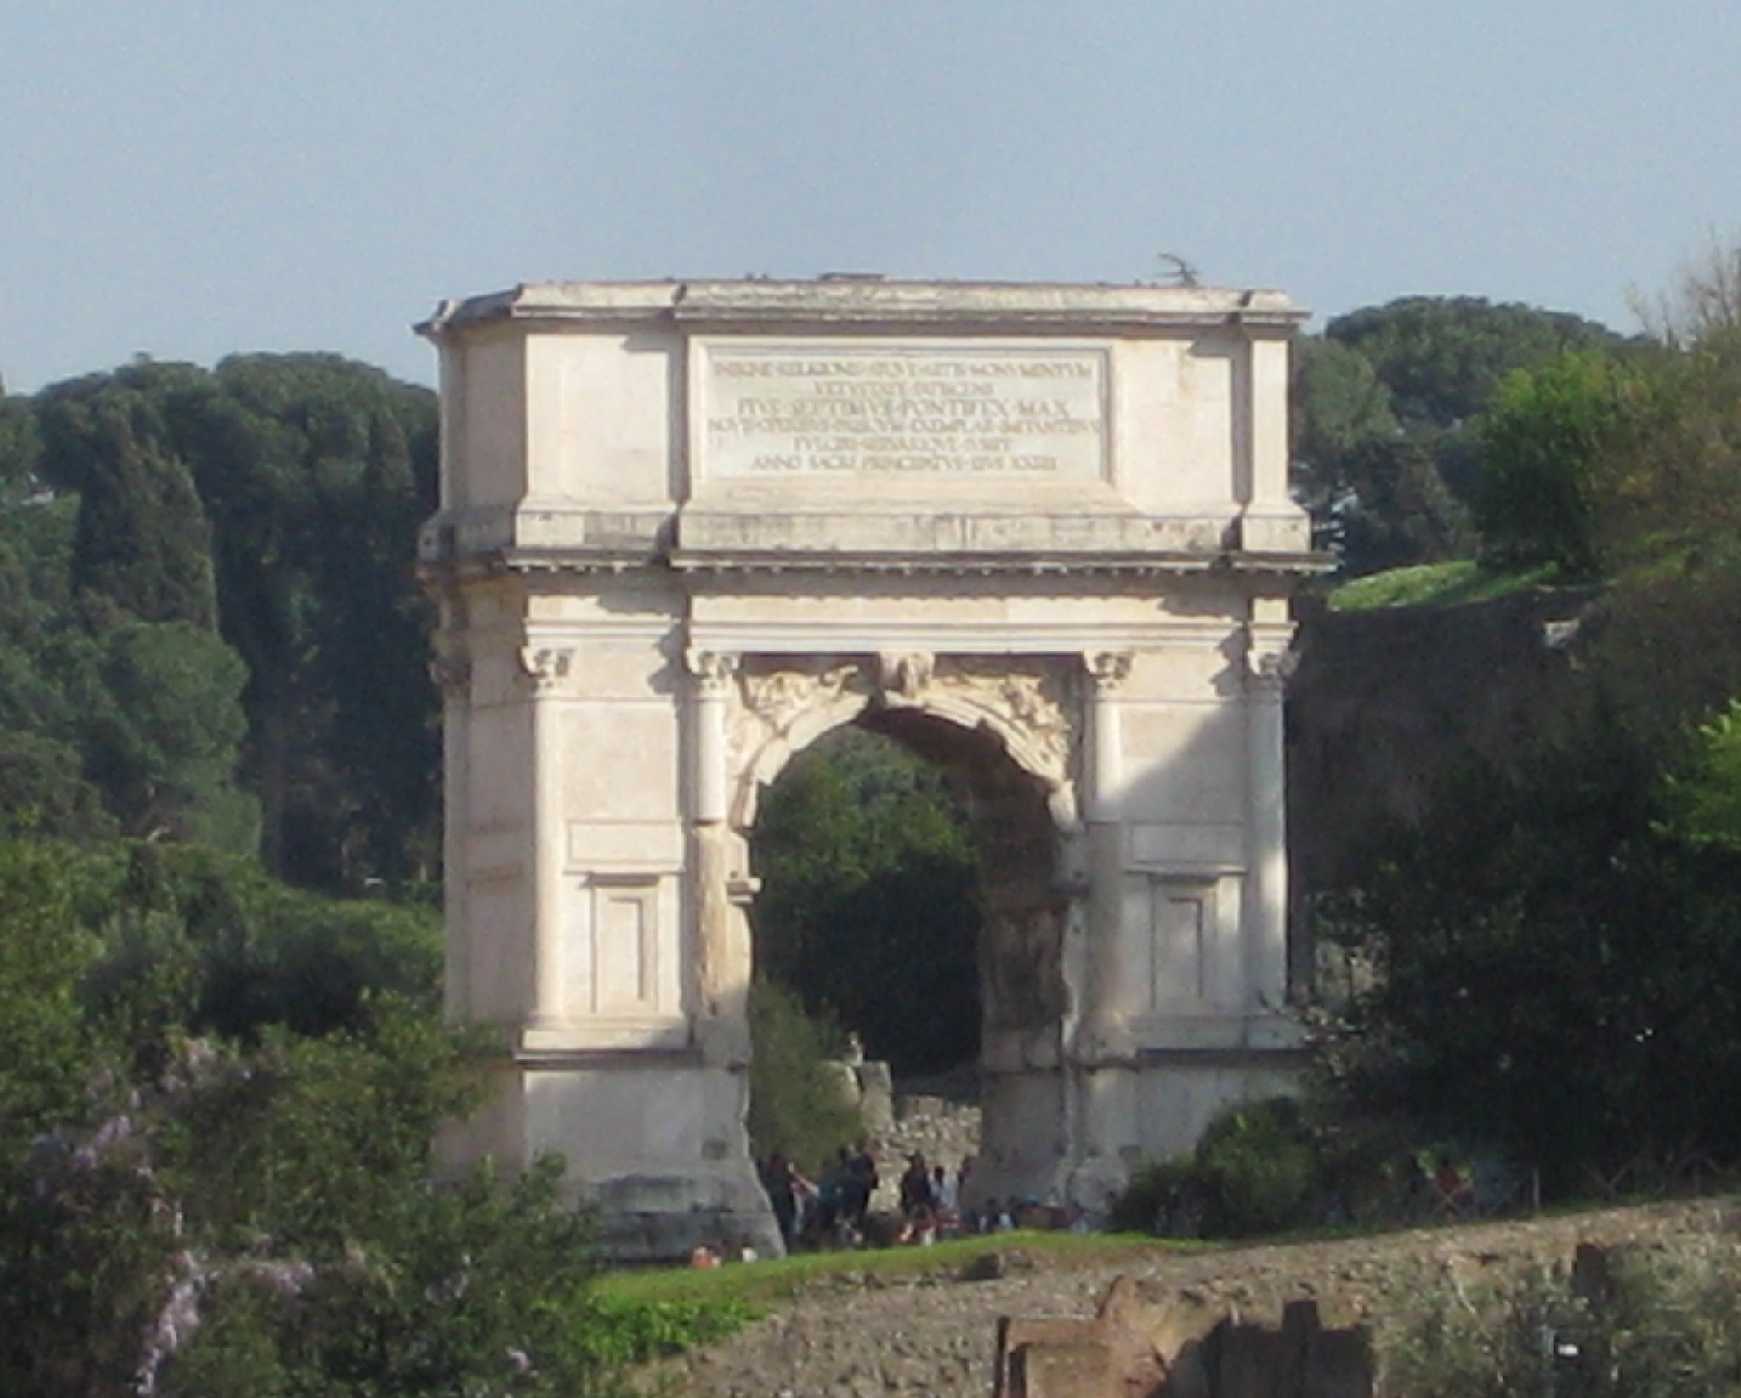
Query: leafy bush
(1640, 1323)
(796, 1108)
(178, 934)
(1262, 1167)
(46, 1046)
(1553, 973)
(1542, 438)
(1256, 1169)
(1164, 1197)
(187, 1215)
(618, 1331)
(265, 1221)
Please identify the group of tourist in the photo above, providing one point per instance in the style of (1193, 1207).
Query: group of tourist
(804, 1208)
(931, 1203)
(836, 1209)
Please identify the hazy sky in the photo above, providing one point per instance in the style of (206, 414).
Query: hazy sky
(189, 179)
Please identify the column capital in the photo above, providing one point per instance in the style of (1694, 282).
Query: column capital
(712, 670)
(451, 672)
(1270, 660)
(544, 668)
(1107, 670)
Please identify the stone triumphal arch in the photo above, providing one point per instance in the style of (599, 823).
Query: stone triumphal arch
(1040, 533)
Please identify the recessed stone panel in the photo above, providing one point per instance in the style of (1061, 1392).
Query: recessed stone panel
(621, 762)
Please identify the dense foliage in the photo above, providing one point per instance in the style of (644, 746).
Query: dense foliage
(1552, 944)
(870, 904)
(1258, 1168)
(1553, 969)
(211, 627)
(797, 1107)
(1388, 409)
(217, 1102)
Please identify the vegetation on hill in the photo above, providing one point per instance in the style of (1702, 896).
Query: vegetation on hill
(1388, 411)
(212, 630)
(1550, 943)
(1436, 585)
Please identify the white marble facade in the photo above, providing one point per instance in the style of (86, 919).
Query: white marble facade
(1042, 533)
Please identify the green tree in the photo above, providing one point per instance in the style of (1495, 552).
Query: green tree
(316, 472)
(1543, 441)
(870, 905)
(43, 791)
(296, 484)
(47, 1047)
(159, 715)
(142, 541)
(1442, 357)
(1555, 974)
(796, 1108)
(1703, 799)
(1388, 457)
(20, 448)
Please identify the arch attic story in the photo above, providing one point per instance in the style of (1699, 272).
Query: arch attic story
(1042, 533)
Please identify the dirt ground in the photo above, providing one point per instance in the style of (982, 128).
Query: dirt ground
(858, 1336)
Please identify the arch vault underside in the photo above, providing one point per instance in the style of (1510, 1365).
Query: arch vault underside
(660, 578)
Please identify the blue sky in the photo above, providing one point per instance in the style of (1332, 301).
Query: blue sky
(191, 179)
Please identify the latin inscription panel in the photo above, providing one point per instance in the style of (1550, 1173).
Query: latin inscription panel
(914, 412)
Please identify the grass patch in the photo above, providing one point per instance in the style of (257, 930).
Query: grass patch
(758, 1283)
(618, 1331)
(1437, 585)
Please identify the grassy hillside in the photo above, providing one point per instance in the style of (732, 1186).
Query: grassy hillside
(1435, 585)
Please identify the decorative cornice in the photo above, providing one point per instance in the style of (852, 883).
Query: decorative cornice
(1034, 564)
(871, 304)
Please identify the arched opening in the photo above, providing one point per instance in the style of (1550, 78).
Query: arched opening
(910, 884)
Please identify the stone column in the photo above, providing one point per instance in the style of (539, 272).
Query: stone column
(713, 672)
(545, 669)
(1105, 1052)
(1269, 662)
(1104, 810)
(452, 672)
(722, 951)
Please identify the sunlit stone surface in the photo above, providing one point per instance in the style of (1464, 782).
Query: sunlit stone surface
(1039, 533)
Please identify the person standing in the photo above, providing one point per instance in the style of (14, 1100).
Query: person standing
(915, 1186)
(864, 1184)
(944, 1192)
(777, 1181)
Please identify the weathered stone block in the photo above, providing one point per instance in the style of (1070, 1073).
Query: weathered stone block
(1062, 1369)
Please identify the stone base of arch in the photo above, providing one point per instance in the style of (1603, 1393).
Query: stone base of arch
(645, 1166)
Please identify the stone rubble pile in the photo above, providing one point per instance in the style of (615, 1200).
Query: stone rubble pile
(944, 1131)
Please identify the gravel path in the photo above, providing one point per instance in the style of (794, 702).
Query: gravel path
(862, 1336)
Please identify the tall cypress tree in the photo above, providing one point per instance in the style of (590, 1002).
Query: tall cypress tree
(143, 543)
